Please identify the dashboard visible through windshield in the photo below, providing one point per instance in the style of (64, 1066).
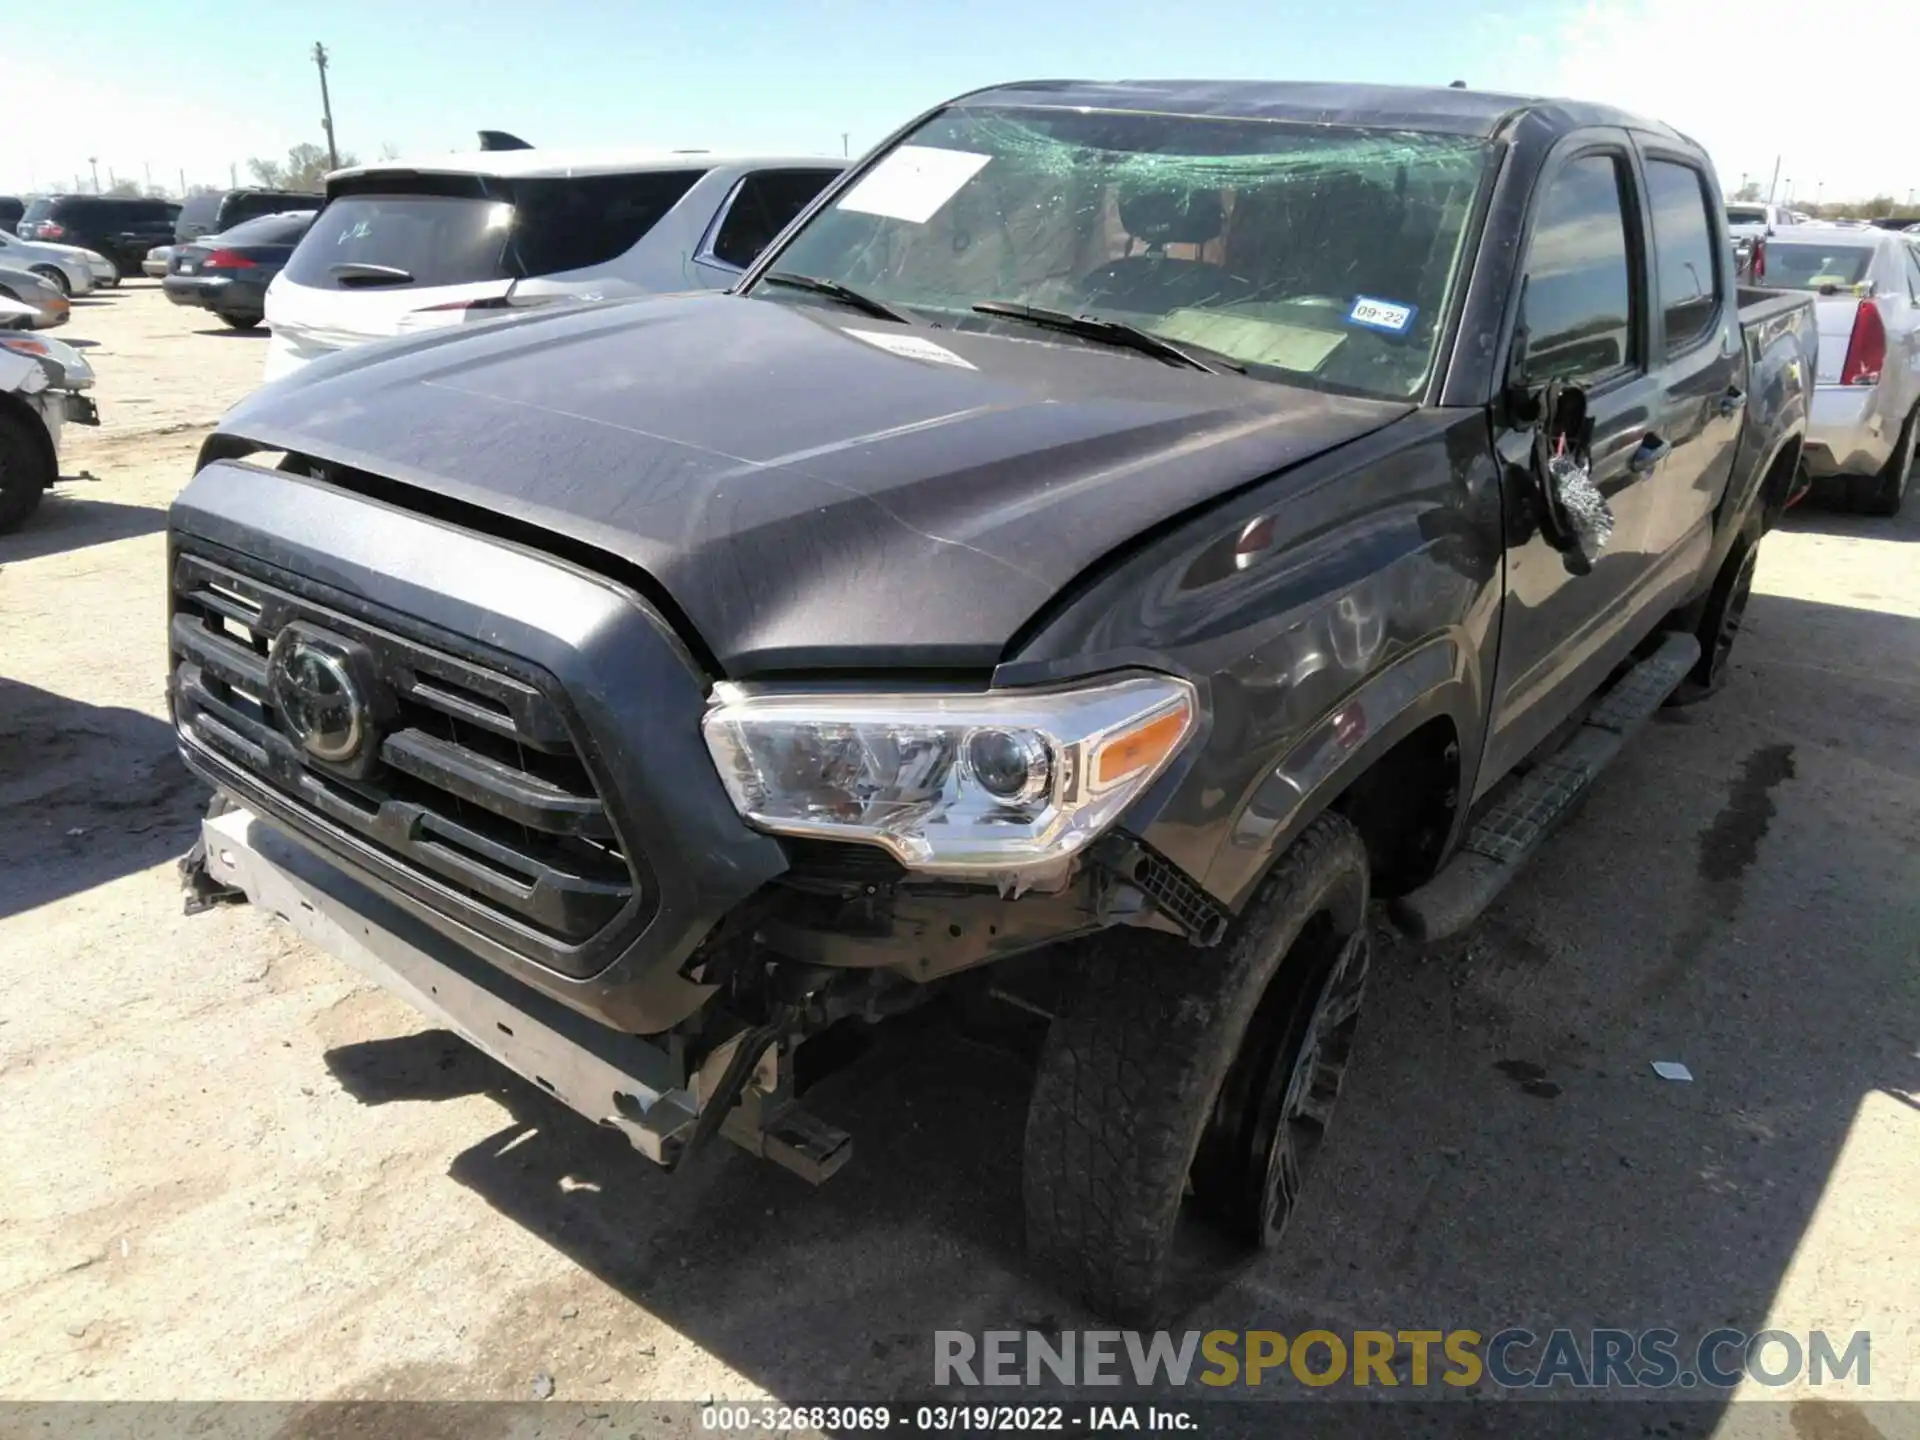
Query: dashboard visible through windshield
(1312, 254)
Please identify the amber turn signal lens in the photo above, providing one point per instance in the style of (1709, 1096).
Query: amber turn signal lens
(1141, 748)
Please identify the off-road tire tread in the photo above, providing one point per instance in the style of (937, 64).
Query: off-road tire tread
(1128, 1075)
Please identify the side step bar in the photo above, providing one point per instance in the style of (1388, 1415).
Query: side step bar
(1533, 806)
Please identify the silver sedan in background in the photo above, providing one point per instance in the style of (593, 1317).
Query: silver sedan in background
(66, 265)
(1866, 407)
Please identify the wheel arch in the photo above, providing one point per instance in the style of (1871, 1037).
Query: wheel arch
(1393, 757)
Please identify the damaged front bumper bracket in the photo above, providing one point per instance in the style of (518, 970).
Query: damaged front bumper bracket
(621, 1081)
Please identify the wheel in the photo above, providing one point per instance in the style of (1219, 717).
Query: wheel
(113, 284)
(1719, 623)
(238, 322)
(1183, 1096)
(25, 472)
(1881, 494)
(55, 277)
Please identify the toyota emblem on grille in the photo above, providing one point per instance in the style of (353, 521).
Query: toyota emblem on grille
(320, 704)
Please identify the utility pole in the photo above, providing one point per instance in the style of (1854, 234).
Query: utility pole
(1774, 184)
(843, 143)
(183, 182)
(94, 161)
(326, 106)
(233, 175)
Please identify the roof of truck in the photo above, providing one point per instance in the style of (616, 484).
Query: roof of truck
(562, 162)
(1435, 108)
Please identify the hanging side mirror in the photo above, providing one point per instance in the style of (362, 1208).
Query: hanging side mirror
(1575, 516)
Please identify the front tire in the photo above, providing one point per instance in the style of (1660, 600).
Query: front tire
(1183, 1095)
(54, 277)
(24, 472)
(238, 322)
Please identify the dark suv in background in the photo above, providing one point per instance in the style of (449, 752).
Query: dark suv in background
(224, 209)
(12, 207)
(121, 227)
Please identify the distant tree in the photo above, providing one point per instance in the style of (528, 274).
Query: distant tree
(1749, 192)
(1877, 208)
(305, 168)
(122, 187)
(389, 151)
(203, 190)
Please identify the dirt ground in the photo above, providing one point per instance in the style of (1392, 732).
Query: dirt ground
(231, 1169)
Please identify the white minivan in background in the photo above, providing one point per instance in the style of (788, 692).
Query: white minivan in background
(406, 245)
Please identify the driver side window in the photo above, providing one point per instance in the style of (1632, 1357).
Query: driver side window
(1580, 314)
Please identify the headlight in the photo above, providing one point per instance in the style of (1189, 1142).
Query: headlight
(1002, 783)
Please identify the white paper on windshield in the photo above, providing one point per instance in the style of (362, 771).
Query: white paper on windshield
(913, 347)
(913, 183)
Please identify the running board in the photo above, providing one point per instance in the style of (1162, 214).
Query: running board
(1533, 806)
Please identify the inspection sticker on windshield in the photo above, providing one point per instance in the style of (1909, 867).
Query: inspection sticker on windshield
(913, 182)
(913, 347)
(1382, 315)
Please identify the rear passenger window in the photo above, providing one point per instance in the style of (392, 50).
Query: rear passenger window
(572, 222)
(1683, 252)
(1579, 310)
(762, 207)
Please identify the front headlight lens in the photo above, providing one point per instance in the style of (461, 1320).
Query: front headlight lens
(1003, 783)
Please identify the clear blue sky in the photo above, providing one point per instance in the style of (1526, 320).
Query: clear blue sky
(174, 88)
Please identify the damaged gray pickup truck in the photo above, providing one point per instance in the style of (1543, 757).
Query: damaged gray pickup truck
(1117, 534)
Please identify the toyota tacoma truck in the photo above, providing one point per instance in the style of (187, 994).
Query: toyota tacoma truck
(1116, 535)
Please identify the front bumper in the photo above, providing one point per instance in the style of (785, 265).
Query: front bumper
(629, 690)
(612, 1079)
(105, 272)
(1846, 433)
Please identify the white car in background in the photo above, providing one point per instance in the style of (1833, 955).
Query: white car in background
(67, 266)
(408, 245)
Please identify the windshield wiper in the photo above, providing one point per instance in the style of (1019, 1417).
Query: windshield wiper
(359, 271)
(1112, 332)
(833, 289)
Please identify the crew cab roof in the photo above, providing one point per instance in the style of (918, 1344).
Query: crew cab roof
(1436, 109)
(558, 162)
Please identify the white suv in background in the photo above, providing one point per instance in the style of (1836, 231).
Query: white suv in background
(406, 245)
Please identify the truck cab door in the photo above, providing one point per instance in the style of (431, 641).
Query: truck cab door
(1700, 357)
(1582, 319)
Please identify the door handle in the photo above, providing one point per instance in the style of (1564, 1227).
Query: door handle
(1731, 403)
(1651, 452)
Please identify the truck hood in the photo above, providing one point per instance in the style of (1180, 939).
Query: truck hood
(811, 487)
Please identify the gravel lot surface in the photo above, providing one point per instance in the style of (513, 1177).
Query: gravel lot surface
(230, 1168)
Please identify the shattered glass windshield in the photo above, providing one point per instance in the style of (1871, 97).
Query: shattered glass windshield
(1312, 254)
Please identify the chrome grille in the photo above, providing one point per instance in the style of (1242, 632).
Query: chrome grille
(474, 789)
